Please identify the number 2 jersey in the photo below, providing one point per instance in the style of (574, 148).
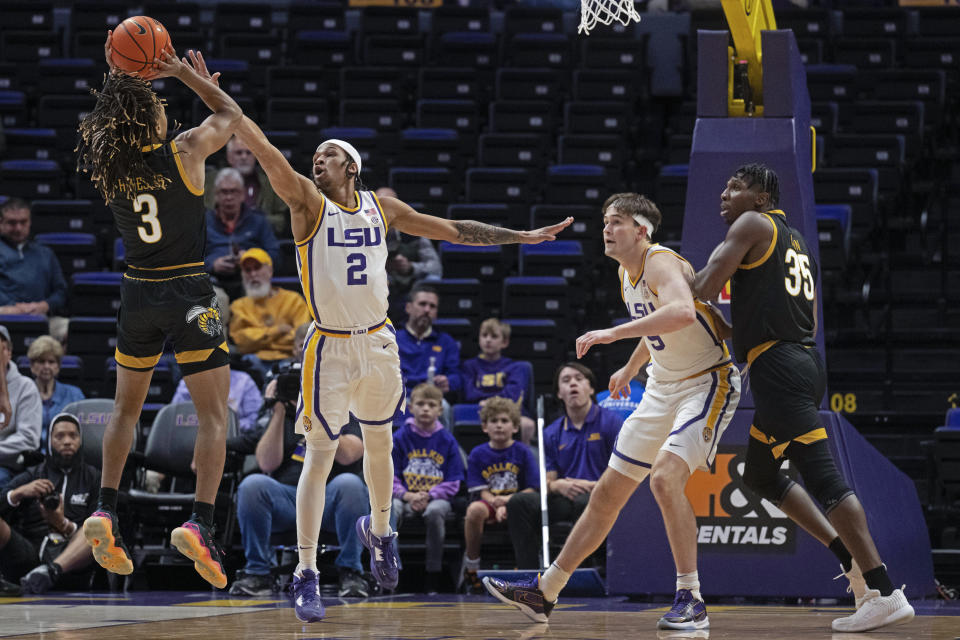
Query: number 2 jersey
(163, 228)
(772, 298)
(677, 355)
(342, 265)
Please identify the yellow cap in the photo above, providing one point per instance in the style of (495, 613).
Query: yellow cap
(257, 254)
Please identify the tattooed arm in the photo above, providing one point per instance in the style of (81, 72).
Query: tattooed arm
(401, 216)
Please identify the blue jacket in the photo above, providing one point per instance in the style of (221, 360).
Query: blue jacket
(31, 273)
(252, 230)
(415, 357)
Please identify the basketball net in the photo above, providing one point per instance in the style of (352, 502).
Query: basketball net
(605, 12)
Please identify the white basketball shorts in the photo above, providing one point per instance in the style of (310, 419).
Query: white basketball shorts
(357, 374)
(686, 418)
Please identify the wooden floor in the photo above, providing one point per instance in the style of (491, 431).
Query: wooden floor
(214, 616)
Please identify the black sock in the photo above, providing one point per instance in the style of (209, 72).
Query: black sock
(840, 550)
(203, 512)
(879, 580)
(55, 571)
(108, 499)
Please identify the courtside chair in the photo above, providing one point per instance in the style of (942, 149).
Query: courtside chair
(94, 415)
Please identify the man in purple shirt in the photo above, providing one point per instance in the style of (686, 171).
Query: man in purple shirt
(429, 471)
(577, 448)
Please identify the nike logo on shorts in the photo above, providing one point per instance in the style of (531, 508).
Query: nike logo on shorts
(674, 444)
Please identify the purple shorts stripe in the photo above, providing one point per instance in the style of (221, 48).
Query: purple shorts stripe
(706, 406)
(631, 460)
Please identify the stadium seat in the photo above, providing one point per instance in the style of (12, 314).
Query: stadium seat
(856, 187)
(24, 329)
(586, 227)
(459, 297)
(499, 184)
(899, 117)
(299, 114)
(324, 48)
(562, 258)
(527, 150)
(68, 75)
(31, 179)
(671, 190)
(466, 49)
(450, 18)
(520, 19)
(178, 16)
(389, 21)
(550, 50)
(449, 83)
(95, 293)
(590, 85)
(162, 385)
(596, 117)
(542, 345)
(64, 112)
(540, 296)
(32, 144)
(461, 330)
(467, 428)
(432, 147)
(874, 22)
(393, 50)
(28, 16)
(71, 369)
(836, 82)
(576, 184)
(298, 82)
(487, 263)
(833, 229)
(824, 117)
(75, 251)
(30, 46)
(884, 153)
(461, 115)
(495, 214)
(383, 115)
(529, 84)
(811, 51)
(241, 17)
(946, 454)
(13, 108)
(604, 53)
(433, 187)
(909, 84)
(94, 338)
(866, 53)
(373, 83)
(522, 116)
(606, 150)
(94, 415)
(316, 16)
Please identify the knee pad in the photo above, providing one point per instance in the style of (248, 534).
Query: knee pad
(768, 485)
(820, 474)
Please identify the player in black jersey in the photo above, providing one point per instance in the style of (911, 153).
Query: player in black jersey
(154, 185)
(773, 284)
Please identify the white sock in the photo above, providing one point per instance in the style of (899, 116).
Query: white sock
(471, 563)
(316, 467)
(378, 472)
(552, 582)
(690, 581)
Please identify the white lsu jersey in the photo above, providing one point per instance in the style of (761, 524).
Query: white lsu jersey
(693, 350)
(342, 265)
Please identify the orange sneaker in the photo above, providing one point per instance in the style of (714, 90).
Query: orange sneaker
(197, 542)
(103, 534)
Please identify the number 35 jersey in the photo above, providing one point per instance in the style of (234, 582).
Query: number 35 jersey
(163, 228)
(772, 298)
(342, 264)
(678, 355)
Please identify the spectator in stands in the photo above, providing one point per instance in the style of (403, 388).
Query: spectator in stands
(20, 411)
(31, 280)
(496, 472)
(576, 447)
(244, 398)
(428, 472)
(266, 501)
(427, 355)
(42, 509)
(232, 228)
(258, 193)
(262, 322)
(492, 375)
(410, 259)
(45, 355)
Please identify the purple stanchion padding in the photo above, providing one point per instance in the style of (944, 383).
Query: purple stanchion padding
(749, 548)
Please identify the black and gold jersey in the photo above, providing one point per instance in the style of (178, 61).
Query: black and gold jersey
(163, 228)
(772, 299)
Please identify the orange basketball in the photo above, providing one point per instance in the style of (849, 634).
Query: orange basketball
(136, 42)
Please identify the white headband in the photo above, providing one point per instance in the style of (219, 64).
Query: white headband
(645, 223)
(346, 146)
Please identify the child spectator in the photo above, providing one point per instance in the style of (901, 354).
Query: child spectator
(429, 471)
(496, 471)
(492, 375)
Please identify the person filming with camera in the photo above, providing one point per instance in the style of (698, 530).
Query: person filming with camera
(41, 509)
(266, 501)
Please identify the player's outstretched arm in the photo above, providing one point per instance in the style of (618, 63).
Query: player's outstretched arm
(297, 191)
(210, 135)
(401, 216)
(746, 231)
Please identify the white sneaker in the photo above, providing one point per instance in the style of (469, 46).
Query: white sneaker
(876, 611)
(857, 586)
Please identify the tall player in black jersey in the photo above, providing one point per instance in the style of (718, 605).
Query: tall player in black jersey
(154, 185)
(773, 283)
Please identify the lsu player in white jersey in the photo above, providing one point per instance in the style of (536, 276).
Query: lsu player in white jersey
(351, 362)
(691, 395)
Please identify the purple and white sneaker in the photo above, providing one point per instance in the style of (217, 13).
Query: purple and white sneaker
(384, 562)
(524, 595)
(686, 613)
(306, 597)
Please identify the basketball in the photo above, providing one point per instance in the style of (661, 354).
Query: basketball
(136, 42)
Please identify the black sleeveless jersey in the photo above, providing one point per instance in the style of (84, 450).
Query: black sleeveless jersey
(772, 298)
(163, 228)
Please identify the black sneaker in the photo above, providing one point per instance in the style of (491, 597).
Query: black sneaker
(198, 542)
(352, 585)
(253, 586)
(9, 589)
(40, 579)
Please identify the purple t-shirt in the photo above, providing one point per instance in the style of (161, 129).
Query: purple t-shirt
(426, 463)
(502, 377)
(502, 471)
(582, 453)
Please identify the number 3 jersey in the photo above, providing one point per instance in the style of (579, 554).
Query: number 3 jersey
(677, 355)
(772, 298)
(163, 228)
(342, 264)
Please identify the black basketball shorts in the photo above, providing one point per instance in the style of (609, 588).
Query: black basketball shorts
(178, 304)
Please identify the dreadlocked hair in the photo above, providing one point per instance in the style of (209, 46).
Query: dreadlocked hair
(113, 135)
(762, 176)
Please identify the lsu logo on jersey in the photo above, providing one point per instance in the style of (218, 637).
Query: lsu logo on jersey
(356, 237)
(208, 318)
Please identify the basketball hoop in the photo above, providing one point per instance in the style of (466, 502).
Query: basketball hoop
(605, 12)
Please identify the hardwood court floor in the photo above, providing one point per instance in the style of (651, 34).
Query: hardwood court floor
(215, 616)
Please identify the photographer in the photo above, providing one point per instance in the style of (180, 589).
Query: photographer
(266, 501)
(42, 508)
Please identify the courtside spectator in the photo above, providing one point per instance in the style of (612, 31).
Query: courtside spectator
(45, 355)
(21, 411)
